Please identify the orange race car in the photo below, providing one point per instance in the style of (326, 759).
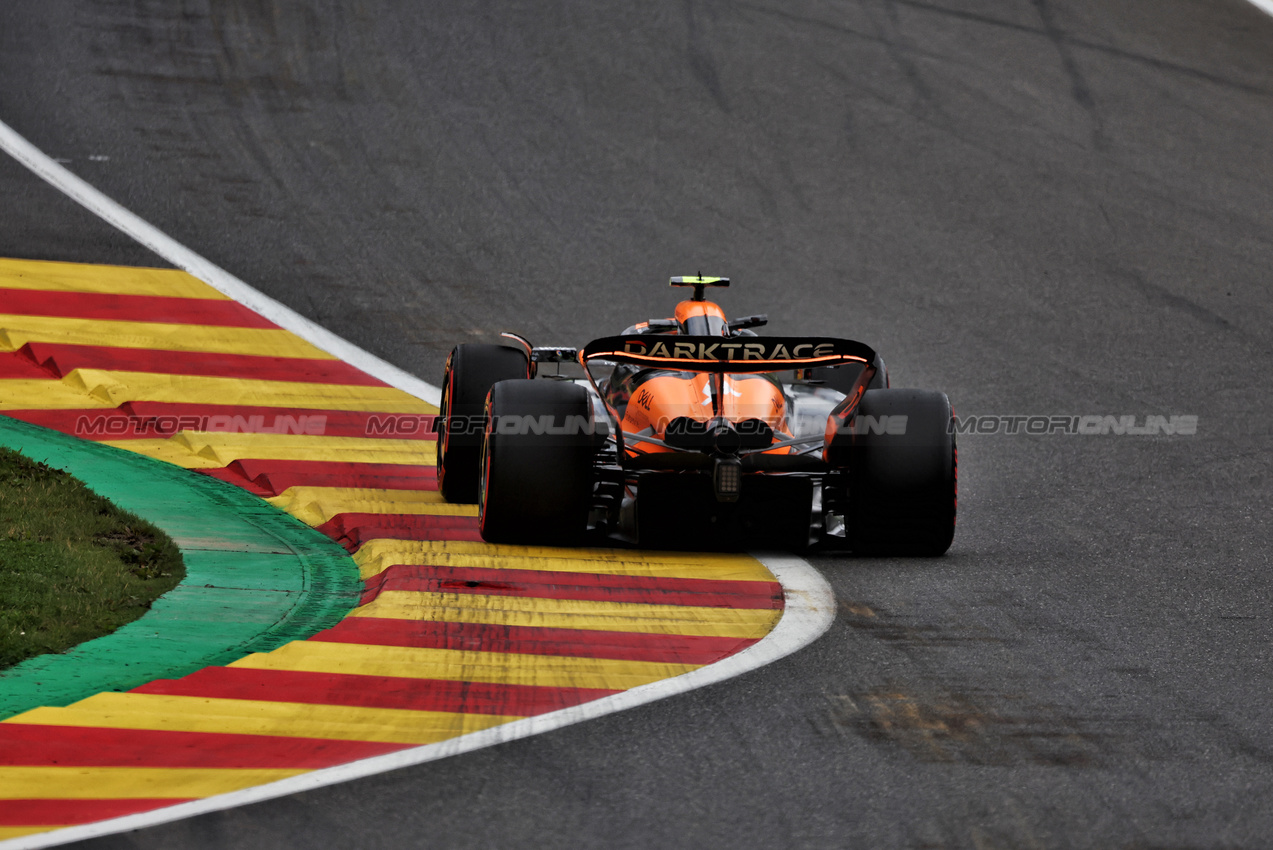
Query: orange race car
(695, 431)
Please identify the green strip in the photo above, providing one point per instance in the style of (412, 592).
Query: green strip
(256, 577)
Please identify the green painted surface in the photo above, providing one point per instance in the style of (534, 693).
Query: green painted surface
(256, 577)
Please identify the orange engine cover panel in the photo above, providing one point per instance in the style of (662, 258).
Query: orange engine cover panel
(669, 395)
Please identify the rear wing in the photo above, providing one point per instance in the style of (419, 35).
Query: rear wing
(727, 354)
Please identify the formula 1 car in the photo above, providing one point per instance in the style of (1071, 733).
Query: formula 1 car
(693, 431)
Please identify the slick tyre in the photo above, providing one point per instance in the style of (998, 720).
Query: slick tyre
(471, 371)
(903, 478)
(537, 457)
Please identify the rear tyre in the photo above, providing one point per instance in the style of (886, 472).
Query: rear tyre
(903, 481)
(471, 370)
(537, 456)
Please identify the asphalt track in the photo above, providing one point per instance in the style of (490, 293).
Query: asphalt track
(1039, 207)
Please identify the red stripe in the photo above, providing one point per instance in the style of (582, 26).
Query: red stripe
(544, 584)
(62, 359)
(352, 530)
(148, 420)
(73, 746)
(272, 477)
(71, 812)
(533, 640)
(339, 423)
(280, 475)
(372, 691)
(229, 476)
(15, 366)
(131, 308)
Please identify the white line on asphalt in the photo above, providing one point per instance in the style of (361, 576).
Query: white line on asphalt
(1264, 5)
(809, 608)
(218, 278)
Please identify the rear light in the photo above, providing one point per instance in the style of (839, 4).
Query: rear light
(727, 477)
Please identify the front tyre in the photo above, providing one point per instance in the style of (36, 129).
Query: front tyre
(471, 371)
(903, 474)
(537, 458)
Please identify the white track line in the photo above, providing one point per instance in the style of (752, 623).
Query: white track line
(218, 278)
(1263, 5)
(810, 602)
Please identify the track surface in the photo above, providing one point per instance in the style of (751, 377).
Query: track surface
(1055, 206)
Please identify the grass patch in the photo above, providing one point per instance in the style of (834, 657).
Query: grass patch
(72, 565)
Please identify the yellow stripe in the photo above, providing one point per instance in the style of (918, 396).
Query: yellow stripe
(314, 515)
(90, 388)
(16, 331)
(229, 446)
(88, 783)
(316, 505)
(258, 717)
(571, 614)
(7, 832)
(463, 665)
(95, 388)
(119, 387)
(25, 394)
(378, 555)
(198, 450)
(167, 451)
(117, 280)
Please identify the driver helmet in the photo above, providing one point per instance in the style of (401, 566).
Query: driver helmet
(701, 318)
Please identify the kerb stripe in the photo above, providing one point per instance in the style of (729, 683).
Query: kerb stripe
(626, 646)
(373, 691)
